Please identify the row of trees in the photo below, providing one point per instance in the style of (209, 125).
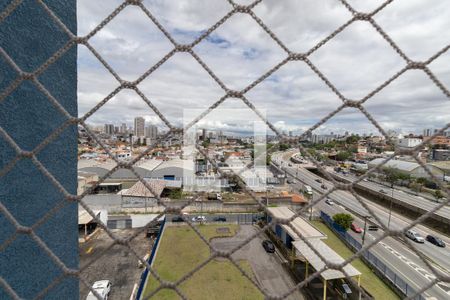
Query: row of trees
(393, 176)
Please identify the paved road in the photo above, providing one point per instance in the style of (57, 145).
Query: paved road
(441, 256)
(268, 269)
(240, 218)
(412, 270)
(399, 195)
(397, 257)
(420, 195)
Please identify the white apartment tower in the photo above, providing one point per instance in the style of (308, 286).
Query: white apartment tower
(139, 126)
(123, 128)
(151, 132)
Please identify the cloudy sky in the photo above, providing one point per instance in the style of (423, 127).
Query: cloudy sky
(294, 98)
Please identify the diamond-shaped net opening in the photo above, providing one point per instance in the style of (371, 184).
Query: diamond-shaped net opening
(104, 50)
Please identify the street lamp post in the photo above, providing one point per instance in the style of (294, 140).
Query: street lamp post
(365, 230)
(390, 207)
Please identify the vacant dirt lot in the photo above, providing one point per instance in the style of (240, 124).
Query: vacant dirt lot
(117, 264)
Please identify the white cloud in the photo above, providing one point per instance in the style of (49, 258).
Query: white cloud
(356, 61)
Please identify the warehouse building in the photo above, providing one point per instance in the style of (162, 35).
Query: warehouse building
(175, 169)
(407, 167)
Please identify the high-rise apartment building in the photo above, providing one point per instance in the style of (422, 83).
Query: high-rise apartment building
(428, 132)
(204, 134)
(139, 126)
(109, 129)
(151, 132)
(123, 128)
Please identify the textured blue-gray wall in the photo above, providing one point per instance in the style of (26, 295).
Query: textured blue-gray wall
(30, 37)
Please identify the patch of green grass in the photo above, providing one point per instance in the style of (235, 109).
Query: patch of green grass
(181, 250)
(369, 280)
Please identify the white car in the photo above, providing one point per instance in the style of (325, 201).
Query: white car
(308, 189)
(415, 236)
(199, 219)
(329, 201)
(102, 287)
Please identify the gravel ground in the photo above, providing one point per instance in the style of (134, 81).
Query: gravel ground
(118, 264)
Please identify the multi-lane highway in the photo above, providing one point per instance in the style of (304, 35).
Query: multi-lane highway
(418, 203)
(393, 252)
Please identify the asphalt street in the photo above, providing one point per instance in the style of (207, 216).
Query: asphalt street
(240, 218)
(394, 253)
(400, 195)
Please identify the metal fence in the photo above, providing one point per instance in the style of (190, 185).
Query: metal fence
(290, 56)
(372, 259)
(145, 273)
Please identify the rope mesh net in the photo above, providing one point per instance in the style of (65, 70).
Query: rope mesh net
(290, 56)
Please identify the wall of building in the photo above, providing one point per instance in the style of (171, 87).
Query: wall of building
(30, 38)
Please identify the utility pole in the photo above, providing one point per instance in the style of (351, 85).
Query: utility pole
(390, 206)
(365, 230)
(310, 208)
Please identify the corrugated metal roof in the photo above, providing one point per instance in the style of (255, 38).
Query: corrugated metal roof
(329, 254)
(300, 224)
(92, 163)
(84, 217)
(177, 163)
(149, 164)
(402, 165)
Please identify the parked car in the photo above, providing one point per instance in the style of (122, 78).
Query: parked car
(323, 186)
(220, 219)
(356, 228)
(329, 201)
(290, 181)
(177, 219)
(199, 219)
(435, 241)
(415, 236)
(102, 287)
(318, 180)
(382, 191)
(268, 246)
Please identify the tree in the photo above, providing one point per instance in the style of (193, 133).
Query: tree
(391, 175)
(343, 155)
(283, 147)
(421, 180)
(438, 195)
(344, 220)
(427, 183)
(176, 194)
(352, 139)
(205, 144)
(416, 187)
